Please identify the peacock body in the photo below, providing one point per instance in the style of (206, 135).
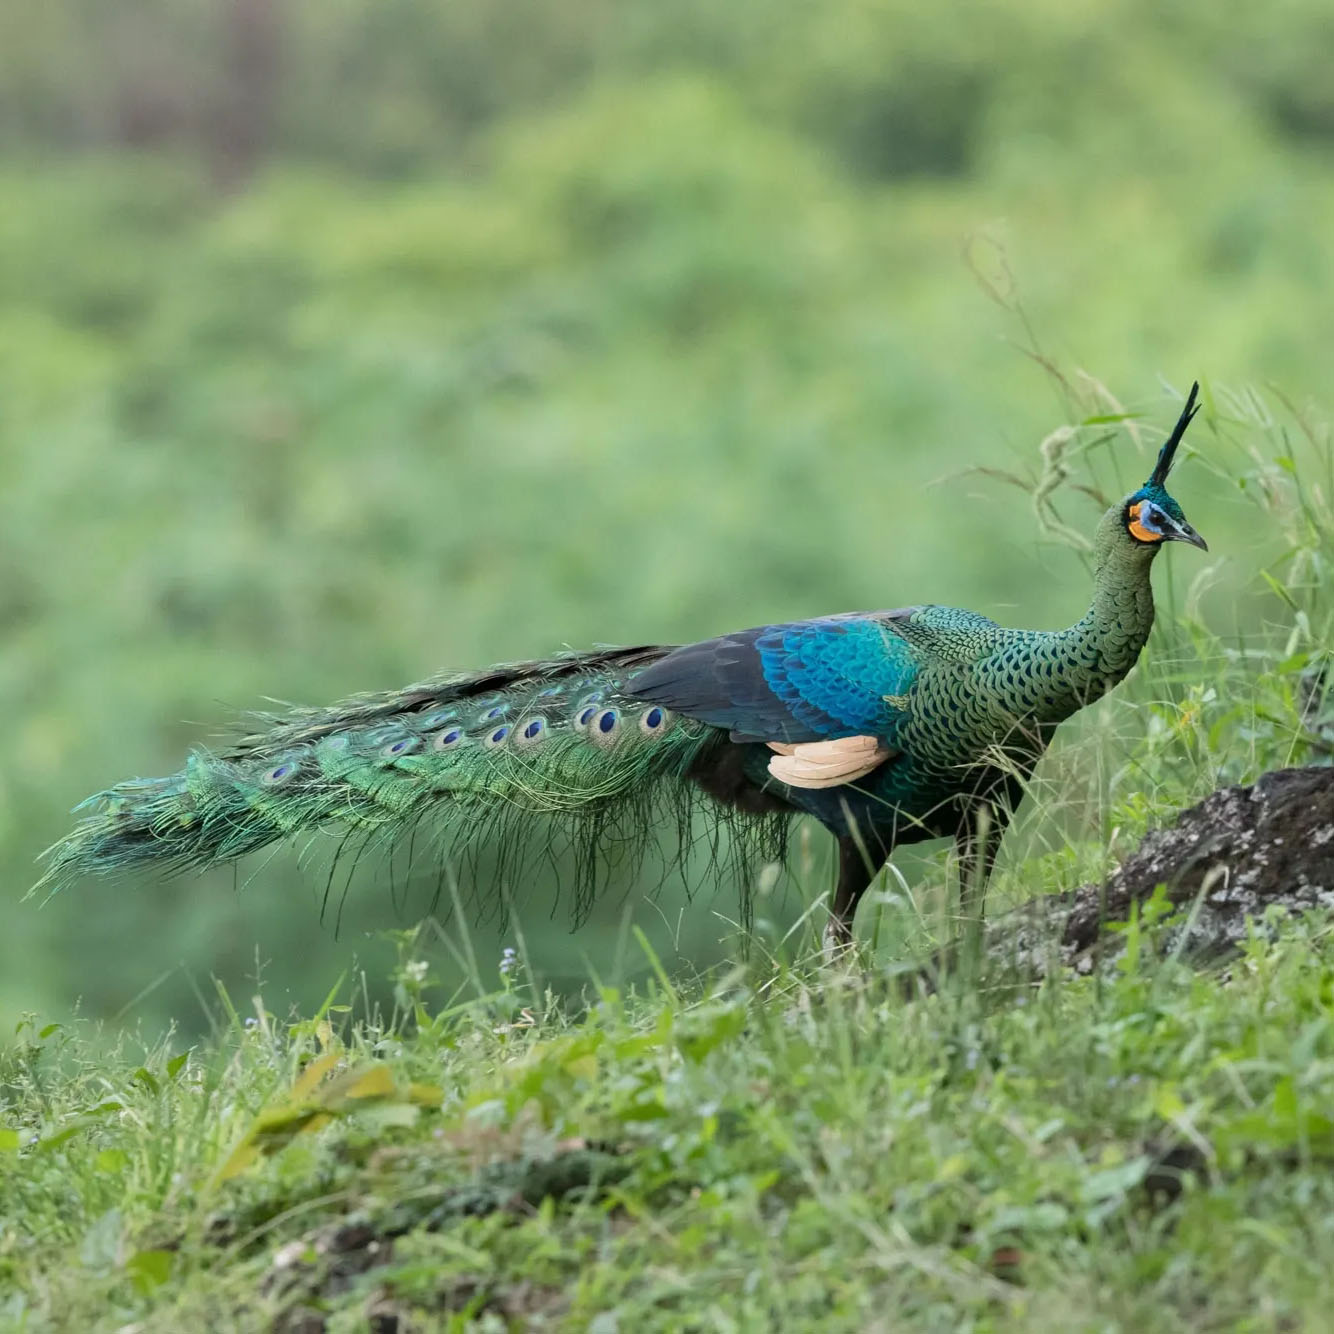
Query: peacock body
(888, 727)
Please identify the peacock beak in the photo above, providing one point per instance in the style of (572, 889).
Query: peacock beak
(1183, 532)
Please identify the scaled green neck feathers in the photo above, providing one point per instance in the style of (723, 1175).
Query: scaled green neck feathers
(1100, 648)
(1120, 613)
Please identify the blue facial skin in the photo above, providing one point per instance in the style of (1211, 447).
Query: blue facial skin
(1160, 514)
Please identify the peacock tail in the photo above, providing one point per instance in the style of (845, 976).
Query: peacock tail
(550, 759)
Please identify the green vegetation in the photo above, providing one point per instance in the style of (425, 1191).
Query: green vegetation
(410, 336)
(1147, 1150)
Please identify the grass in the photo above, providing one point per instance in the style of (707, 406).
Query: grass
(777, 1147)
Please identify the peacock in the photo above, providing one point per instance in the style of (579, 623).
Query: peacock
(889, 727)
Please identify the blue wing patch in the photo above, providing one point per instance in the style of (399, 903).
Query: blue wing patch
(801, 681)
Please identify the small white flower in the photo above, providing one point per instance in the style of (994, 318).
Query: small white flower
(417, 970)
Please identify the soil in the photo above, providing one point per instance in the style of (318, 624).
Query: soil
(1240, 853)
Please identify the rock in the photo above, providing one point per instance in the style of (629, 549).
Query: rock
(1239, 852)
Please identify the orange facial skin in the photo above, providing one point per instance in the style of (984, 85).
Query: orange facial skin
(1138, 530)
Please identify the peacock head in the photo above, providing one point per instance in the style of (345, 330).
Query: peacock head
(1150, 516)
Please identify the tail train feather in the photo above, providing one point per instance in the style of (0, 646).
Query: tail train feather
(549, 758)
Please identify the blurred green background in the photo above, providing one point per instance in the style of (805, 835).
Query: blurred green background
(341, 344)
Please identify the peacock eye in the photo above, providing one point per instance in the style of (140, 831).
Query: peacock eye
(531, 731)
(604, 727)
(652, 721)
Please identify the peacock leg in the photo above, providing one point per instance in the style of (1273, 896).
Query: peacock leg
(857, 867)
(976, 843)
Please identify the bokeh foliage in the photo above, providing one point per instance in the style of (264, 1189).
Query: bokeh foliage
(342, 344)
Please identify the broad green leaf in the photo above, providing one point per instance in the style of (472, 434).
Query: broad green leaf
(702, 1031)
(112, 1161)
(376, 1082)
(61, 1136)
(149, 1269)
(1111, 1182)
(425, 1095)
(312, 1105)
(313, 1073)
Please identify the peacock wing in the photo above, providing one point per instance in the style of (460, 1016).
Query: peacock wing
(798, 682)
(815, 764)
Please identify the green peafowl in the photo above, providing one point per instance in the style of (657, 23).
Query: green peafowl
(888, 727)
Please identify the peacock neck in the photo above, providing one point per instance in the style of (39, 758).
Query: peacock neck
(1111, 633)
(1091, 656)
